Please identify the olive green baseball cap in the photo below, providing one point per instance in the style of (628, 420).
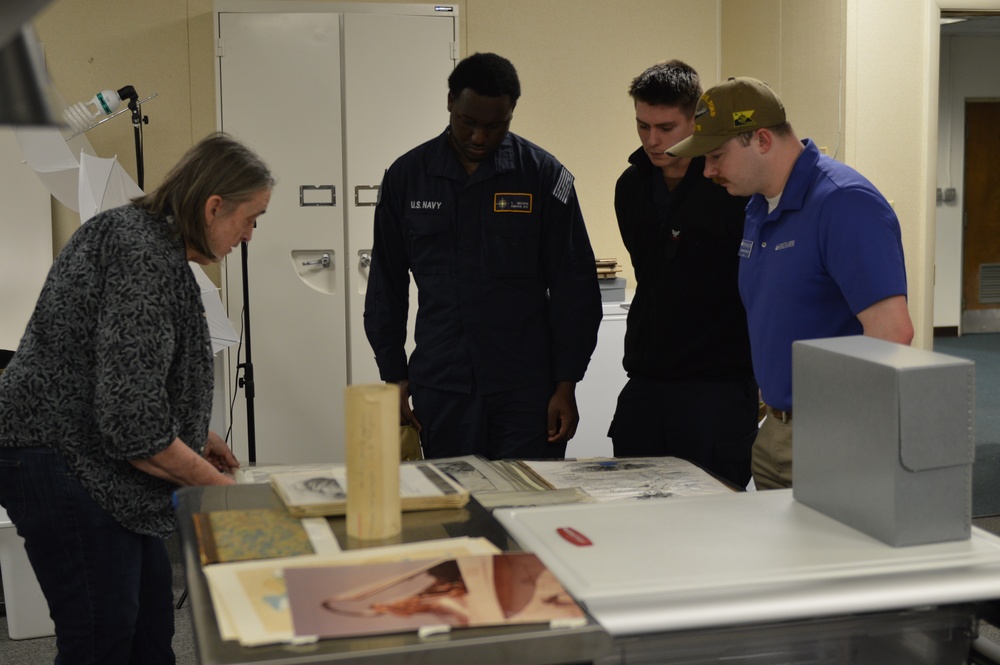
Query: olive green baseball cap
(738, 105)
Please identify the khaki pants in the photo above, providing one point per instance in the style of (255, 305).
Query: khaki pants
(771, 463)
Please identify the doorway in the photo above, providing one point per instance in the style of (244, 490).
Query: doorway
(967, 76)
(981, 237)
(969, 45)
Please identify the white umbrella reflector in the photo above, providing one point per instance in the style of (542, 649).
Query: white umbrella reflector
(103, 185)
(219, 327)
(46, 152)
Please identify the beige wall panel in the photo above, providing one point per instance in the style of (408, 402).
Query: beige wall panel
(95, 46)
(796, 46)
(26, 229)
(750, 41)
(890, 118)
(201, 56)
(812, 44)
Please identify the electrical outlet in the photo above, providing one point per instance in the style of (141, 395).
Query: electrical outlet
(950, 194)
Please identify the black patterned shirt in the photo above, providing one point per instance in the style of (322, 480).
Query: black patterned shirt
(116, 363)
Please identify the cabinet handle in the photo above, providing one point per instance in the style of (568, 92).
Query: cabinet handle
(323, 261)
(331, 189)
(368, 189)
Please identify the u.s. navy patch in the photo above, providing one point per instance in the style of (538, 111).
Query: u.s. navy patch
(511, 202)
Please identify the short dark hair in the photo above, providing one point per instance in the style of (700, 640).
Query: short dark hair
(216, 165)
(672, 83)
(486, 74)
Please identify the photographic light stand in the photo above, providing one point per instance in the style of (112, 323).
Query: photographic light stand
(246, 381)
(83, 116)
(138, 120)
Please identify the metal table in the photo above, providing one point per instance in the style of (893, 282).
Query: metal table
(524, 645)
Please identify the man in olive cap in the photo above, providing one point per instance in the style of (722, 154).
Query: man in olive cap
(821, 256)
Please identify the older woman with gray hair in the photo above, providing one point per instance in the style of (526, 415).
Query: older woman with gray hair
(105, 407)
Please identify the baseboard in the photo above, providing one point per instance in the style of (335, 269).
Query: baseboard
(946, 331)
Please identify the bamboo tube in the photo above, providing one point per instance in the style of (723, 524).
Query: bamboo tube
(372, 440)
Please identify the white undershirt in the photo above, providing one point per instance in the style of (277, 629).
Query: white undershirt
(772, 202)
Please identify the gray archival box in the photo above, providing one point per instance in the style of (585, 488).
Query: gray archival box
(884, 437)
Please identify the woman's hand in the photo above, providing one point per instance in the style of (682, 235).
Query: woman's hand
(180, 464)
(219, 455)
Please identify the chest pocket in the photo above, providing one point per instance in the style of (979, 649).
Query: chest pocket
(512, 243)
(431, 243)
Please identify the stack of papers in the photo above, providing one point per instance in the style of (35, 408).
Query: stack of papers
(607, 479)
(251, 598)
(524, 483)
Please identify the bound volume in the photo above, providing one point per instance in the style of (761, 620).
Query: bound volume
(323, 491)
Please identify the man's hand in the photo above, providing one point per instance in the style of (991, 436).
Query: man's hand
(406, 416)
(563, 415)
(218, 454)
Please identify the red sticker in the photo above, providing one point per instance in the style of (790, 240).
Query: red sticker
(573, 536)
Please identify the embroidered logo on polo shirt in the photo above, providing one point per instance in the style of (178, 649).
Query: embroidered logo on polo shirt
(785, 245)
(511, 202)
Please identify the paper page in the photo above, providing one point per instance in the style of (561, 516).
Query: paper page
(608, 479)
(250, 598)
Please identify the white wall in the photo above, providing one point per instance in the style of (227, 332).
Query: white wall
(970, 68)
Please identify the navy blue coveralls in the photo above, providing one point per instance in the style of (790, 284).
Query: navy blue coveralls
(508, 300)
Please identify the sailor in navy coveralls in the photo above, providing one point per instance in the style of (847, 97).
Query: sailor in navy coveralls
(508, 301)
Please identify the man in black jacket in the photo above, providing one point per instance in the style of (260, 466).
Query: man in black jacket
(691, 391)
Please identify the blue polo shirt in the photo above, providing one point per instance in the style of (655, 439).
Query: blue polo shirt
(506, 281)
(831, 249)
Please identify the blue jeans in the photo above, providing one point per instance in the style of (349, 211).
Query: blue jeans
(109, 590)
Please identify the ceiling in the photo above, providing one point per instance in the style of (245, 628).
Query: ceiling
(973, 25)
